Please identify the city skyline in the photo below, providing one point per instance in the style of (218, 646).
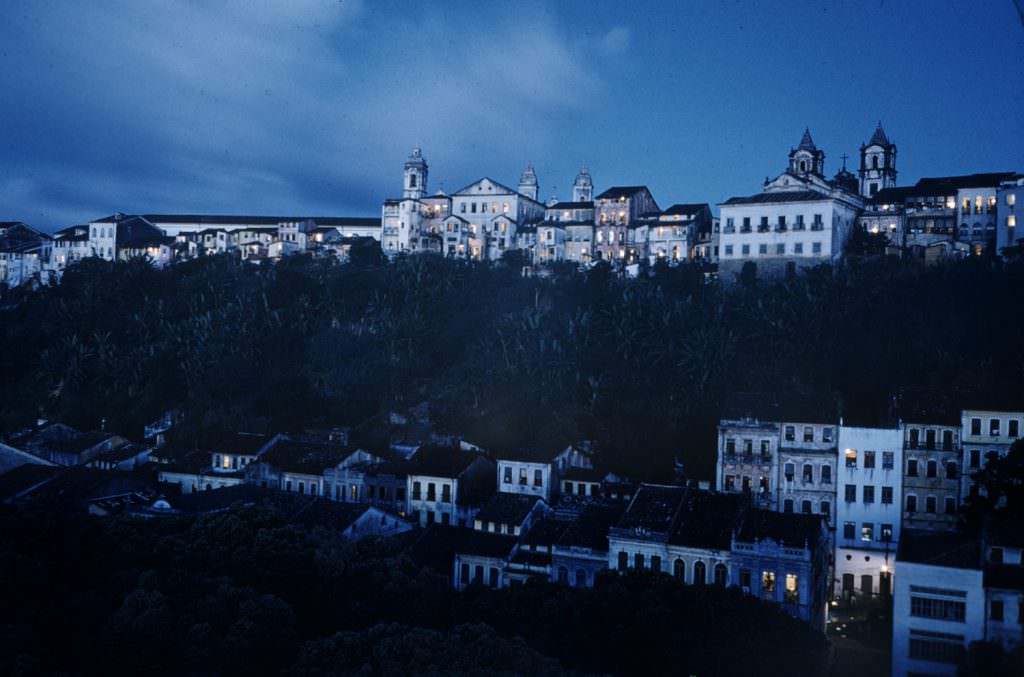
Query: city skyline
(239, 110)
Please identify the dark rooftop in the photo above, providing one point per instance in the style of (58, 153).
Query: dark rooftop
(944, 185)
(590, 528)
(25, 477)
(652, 508)
(792, 530)
(685, 209)
(707, 520)
(482, 543)
(572, 205)
(436, 461)
(503, 508)
(779, 196)
(616, 192)
(529, 454)
(216, 219)
(307, 458)
(939, 549)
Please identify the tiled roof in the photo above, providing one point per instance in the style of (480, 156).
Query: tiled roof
(572, 205)
(944, 185)
(590, 528)
(305, 457)
(685, 209)
(482, 543)
(217, 219)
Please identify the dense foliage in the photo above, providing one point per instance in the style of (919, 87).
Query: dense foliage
(639, 365)
(242, 592)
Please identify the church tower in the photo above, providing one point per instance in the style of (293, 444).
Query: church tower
(806, 159)
(415, 186)
(528, 183)
(583, 186)
(877, 163)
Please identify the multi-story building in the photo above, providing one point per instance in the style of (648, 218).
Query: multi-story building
(953, 589)
(884, 213)
(622, 216)
(869, 484)
(704, 538)
(931, 469)
(781, 448)
(807, 455)
(448, 485)
(748, 443)
(799, 219)
(673, 238)
(24, 253)
(1008, 197)
(984, 432)
(938, 602)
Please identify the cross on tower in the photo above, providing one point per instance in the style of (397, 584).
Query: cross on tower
(844, 157)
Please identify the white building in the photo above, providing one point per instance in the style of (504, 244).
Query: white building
(800, 219)
(24, 253)
(477, 222)
(938, 603)
(869, 482)
(982, 432)
(1008, 197)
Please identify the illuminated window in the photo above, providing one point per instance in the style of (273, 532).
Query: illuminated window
(1011, 221)
(792, 589)
(851, 458)
(767, 581)
(1011, 199)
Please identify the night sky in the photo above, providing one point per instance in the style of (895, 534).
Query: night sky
(311, 107)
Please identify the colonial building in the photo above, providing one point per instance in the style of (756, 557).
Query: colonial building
(931, 467)
(622, 217)
(677, 231)
(867, 509)
(536, 472)
(24, 253)
(984, 432)
(799, 219)
(448, 485)
(748, 444)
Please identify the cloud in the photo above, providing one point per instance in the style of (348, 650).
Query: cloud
(615, 41)
(305, 105)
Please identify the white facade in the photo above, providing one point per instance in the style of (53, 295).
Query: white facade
(1009, 210)
(868, 508)
(982, 432)
(937, 612)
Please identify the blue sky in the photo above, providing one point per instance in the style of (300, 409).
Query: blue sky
(310, 107)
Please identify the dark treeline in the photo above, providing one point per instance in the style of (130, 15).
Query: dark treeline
(640, 366)
(241, 592)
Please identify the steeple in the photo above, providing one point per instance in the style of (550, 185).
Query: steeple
(806, 159)
(807, 143)
(528, 182)
(877, 163)
(583, 186)
(415, 186)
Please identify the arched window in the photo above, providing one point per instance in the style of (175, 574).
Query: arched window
(803, 165)
(721, 575)
(679, 570)
(623, 560)
(699, 573)
(874, 162)
(563, 575)
(581, 578)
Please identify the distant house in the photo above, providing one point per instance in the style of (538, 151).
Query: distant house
(298, 466)
(448, 485)
(62, 444)
(24, 253)
(581, 551)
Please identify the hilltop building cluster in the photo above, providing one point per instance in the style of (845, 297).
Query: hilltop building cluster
(800, 218)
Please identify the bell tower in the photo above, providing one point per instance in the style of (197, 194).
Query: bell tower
(583, 186)
(415, 186)
(806, 159)
(877, 163)
(528, 183)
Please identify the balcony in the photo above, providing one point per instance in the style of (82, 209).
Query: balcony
(818, 225)
(745, 229)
